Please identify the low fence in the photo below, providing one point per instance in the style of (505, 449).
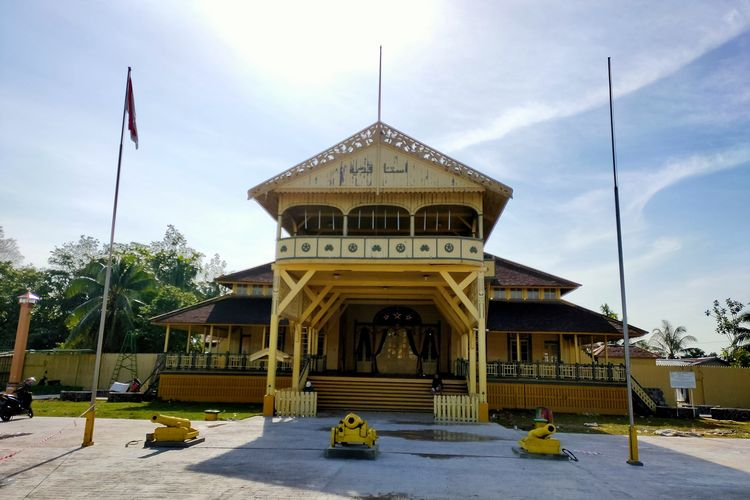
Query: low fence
(456, 408)
(290, 403)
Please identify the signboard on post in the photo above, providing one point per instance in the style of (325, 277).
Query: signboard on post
(682, 380)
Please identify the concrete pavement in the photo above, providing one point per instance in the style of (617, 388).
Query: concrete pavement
(282, 458)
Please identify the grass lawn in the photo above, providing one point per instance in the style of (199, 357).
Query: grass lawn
(607, 424)
(143, 411)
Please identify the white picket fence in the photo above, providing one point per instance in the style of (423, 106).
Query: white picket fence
(291, 403)
(456, 408)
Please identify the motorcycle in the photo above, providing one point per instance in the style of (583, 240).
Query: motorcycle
(18, 403)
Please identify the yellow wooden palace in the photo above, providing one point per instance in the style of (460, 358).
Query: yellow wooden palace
(381, 281)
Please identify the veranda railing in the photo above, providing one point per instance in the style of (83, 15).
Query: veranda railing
(220, 362)
(597, 372)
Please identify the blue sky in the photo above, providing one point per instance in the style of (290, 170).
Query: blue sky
(229, 93)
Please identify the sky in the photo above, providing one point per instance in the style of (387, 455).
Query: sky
(227, 94)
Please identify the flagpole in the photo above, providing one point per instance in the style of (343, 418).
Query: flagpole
(632, 433)
(88, 433)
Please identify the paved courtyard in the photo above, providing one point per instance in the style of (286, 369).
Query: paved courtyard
(283, 458)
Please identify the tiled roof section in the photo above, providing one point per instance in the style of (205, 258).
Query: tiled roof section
(259, 274)
(509, 273)
(617, 351)
(226, 310)
(551, 316)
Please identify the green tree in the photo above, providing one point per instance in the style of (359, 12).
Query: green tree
(168, 298)
(9, 251)
(607, 311)
(670, 342)
(128, 285)
(735, 326)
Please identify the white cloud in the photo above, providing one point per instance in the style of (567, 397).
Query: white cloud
(644, 185)
(659, 51)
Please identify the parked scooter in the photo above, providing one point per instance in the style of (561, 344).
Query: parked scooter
(18, 403)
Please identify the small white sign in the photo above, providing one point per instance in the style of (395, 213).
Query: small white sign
(682, 380)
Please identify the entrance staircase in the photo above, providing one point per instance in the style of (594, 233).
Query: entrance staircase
(379, 393)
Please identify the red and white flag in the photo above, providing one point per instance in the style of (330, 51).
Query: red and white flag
(130, 107)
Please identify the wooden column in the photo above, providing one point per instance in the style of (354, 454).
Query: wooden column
(484, 414)
(577, 349)
(229, 338)
(189, 338)
(472, 361)
(560, 349)
(273, 340)
(166, 339)
(297, 355)
(518, 347)
(210, 338)
(411, 225)
(606, 350)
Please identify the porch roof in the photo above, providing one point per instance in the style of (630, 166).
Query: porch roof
(552, 317)
(226, 310)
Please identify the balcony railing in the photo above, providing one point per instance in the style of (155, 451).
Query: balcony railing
(220, 362)
(609, 373)
(380, 247)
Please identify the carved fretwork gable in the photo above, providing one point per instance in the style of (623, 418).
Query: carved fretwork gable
(346, 164)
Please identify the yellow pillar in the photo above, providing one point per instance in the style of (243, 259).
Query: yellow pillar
(166, 340)
(606, 350)
(297, 355)
(518, 347)
(484, 411)
(577, 350)
(560, 349)
(210, 338)
(472, 362)
(273, 340)
(189, 339)
(229, 338)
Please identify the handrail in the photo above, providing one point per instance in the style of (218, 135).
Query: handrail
(304, 371)
(643, 395)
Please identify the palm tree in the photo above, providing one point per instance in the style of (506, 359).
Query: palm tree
(668, 341)
(741, 333)
(128, 282)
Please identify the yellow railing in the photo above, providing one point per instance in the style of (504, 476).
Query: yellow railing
(456, 408)
(289, 403)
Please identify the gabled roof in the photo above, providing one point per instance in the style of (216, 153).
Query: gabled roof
(391, 136)
(262, 274)
(513, 274)
(617, 351)
(551, 316)
(224, 310)
(495, 195)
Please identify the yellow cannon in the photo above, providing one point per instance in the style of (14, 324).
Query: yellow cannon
(177, 430)
(539, 441)
(352, 429)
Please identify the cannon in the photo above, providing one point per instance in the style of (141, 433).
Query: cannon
(177, 432)
(352, 429)
(539, 441)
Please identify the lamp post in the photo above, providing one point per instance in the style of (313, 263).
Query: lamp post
(27, 301)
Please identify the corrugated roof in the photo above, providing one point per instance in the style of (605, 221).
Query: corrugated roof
(551, 316)
(617, 351)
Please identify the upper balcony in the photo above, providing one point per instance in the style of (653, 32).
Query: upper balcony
(380, 248)
(381, 232)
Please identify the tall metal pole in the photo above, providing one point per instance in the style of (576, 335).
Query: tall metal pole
(380, 77)
(88, 433)
(632, 433)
